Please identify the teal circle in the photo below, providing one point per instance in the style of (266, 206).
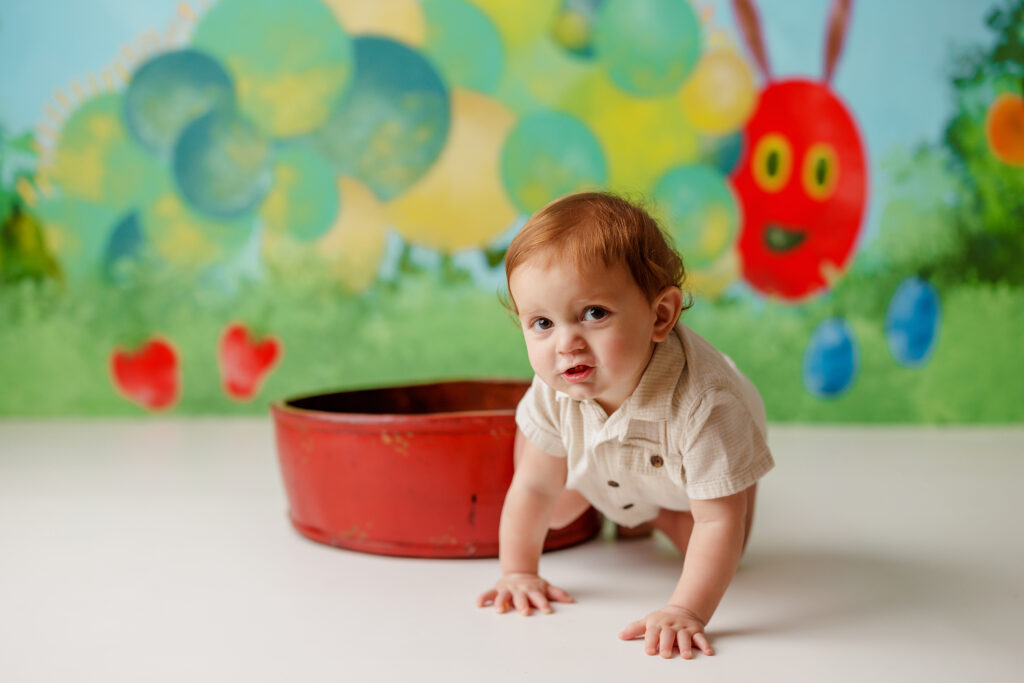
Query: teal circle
(648, 47)
(463, 42)
(222, 164)
(550, 154)
(310, 192)
(391, 124)
(692, 200)
(170, 91)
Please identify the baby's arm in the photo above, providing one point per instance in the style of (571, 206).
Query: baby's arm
(536, 484)
(712, 556)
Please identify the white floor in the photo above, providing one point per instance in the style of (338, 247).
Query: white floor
(160, 551)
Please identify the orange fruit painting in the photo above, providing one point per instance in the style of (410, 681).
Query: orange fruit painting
(1004, 128)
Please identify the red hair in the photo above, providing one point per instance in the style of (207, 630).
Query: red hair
(599, 227)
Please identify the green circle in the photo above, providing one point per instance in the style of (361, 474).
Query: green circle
(464, 43)
(697, 208)
(96, 159)
(304, 200)
(648, 47)
(550, 154)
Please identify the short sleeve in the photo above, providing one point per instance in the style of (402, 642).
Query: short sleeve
(725, 451)
(538, 416)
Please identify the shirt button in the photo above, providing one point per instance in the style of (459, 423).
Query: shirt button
(657, 460)
(613, 484)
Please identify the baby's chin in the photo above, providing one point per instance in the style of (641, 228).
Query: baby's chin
(581, 391)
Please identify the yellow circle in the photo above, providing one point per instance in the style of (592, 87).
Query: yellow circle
(821, 171)
(720, 94)
(772, 162)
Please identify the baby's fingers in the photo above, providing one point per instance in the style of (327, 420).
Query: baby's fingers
(501, 600)
(685, 648)
(668, 640)
(522, 602)
(486, 598)
(701, 641)
(540, 602)
(558, 595)
(637, 628)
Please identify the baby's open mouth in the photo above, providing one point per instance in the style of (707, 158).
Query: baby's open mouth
(577, 373)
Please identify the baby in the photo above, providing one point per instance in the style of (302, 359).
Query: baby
(629, 411)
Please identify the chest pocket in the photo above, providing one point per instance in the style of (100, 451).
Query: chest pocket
(644, 453)
(653, 464)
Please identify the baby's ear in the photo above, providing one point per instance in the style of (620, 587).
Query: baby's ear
(667, 306)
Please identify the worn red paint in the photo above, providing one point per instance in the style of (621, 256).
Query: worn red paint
(420, 471)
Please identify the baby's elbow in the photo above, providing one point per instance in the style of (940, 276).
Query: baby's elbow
(725, 511)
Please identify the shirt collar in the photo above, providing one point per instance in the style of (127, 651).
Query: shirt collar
(644, 413)
(652, 398)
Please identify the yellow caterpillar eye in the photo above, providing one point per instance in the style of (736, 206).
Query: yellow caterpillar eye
(772, 162)
(821, 171)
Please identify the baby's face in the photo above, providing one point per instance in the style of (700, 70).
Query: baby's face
(588, 331)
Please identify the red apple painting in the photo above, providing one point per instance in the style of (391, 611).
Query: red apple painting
(245, 362)
(149, 375)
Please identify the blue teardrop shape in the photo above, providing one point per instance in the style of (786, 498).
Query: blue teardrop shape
(830, 361)
(124, 246)
(912, 322)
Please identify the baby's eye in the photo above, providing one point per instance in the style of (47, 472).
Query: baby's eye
(595, 313)
(541, 324)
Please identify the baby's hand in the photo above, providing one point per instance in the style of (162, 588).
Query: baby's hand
(667, 626)
(522, 589)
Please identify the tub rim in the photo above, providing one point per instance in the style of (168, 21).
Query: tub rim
(282, 408)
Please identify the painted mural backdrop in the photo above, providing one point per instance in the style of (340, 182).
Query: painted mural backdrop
(271, 198)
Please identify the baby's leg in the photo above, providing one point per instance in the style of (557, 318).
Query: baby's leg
(570, 504)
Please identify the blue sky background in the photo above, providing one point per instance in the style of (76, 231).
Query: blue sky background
(893, 74)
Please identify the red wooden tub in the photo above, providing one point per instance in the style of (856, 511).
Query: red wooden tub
(419, 471)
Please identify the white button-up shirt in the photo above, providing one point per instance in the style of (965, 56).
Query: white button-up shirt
(693, 428)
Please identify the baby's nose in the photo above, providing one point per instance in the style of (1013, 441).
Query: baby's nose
(570, 340)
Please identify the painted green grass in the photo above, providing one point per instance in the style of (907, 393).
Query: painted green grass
(975, 375)
(55, 347)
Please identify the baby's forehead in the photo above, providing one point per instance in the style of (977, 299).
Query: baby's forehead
(544, 259)
(580, 280)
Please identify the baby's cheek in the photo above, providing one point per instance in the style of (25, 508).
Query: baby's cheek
(624, 353)
(536, 358)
